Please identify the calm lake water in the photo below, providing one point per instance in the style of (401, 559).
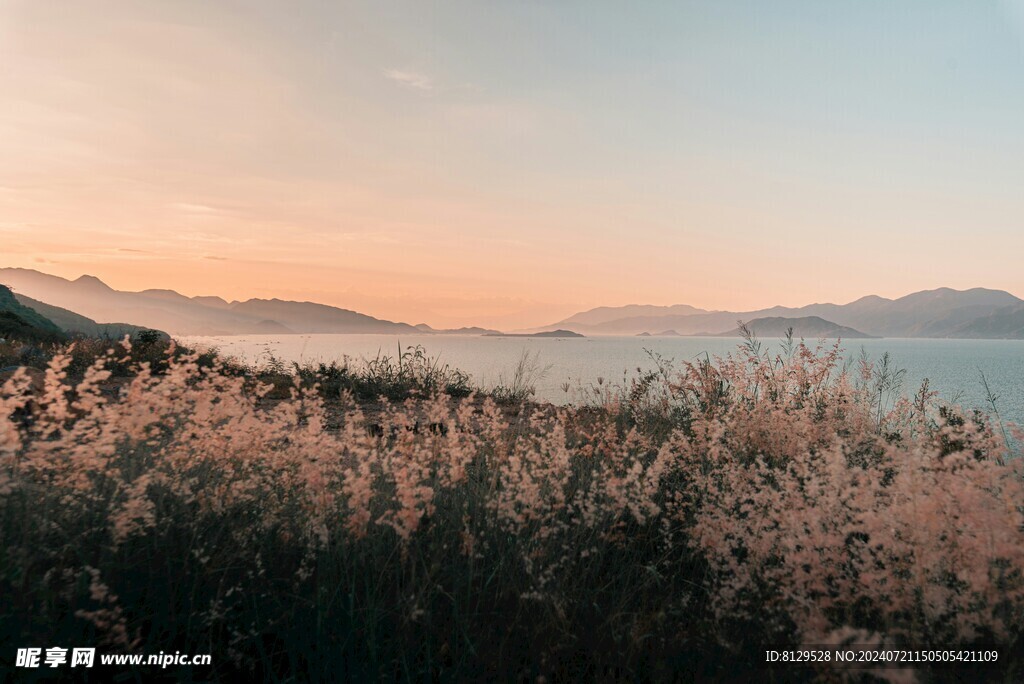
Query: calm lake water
(954, 367)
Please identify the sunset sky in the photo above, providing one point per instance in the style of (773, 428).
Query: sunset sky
(508, 164)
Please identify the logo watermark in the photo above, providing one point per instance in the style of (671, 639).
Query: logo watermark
(57, 656)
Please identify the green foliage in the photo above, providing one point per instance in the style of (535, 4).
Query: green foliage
(14, 327)
(18, 322)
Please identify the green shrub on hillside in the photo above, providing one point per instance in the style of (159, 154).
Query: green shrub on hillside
(19, 322)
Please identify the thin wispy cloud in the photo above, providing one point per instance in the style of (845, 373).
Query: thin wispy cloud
(410, 79)
(188, 208)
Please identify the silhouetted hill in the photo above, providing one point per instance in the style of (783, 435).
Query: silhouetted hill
(604, 314)
(548, 333)
(1005, 324)
(20, 322)
(76, 324)
(308, 317)
(472, 330)
(181, 315)
(807, 327)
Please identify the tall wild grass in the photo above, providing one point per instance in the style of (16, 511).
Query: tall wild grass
(674, 531)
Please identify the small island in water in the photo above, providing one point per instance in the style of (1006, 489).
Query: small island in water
(549, 333)
(803, 327)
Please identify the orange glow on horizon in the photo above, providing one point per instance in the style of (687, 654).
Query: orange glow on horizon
(280, 154)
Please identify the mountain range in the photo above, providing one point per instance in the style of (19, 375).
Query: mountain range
(89, 305)
(944, 312)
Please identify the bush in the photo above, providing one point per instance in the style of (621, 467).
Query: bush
(411, 374)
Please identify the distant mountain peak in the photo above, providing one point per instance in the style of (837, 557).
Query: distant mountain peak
(603, 314)
(869, 299)
(92, 281)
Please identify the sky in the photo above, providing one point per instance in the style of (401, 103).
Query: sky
(508, 164)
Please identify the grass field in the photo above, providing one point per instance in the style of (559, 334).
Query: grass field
(307, 525)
